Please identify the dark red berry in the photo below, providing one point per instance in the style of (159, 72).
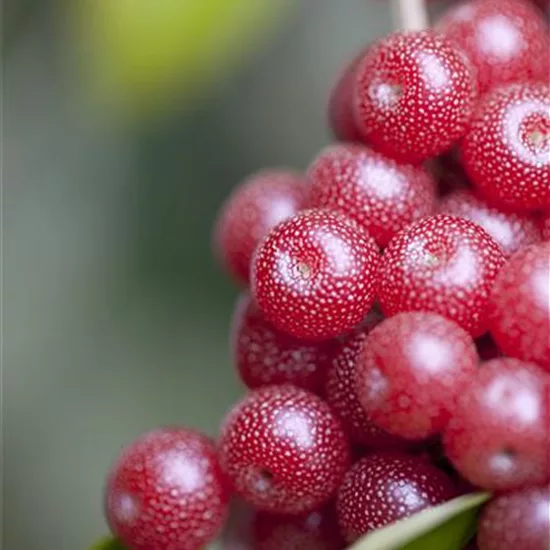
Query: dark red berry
(237, 533)
(506, 151)
(519, 308)
(410, 371)
(443, 264)
(166, 490)
(283, 450)
(414, 95)
(377, 192)
(314, 275)
(497, 437)
(506, 40)
(254, 207)
(385, 487)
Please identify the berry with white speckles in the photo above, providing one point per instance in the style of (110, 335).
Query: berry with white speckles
(377, 192)
(497, 437)
(314, 275)
(410, 371)
(166, 492)
(283, 450)
(443, 264)
(506, 151)
(385, 487)
(253, 208)
(414, 95)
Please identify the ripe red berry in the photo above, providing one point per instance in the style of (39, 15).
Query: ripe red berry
(314, 275)
(497, 437)
(506, 40)
(410, 371)
(519, 520)
(377, 192)
(264, 355)
(283, 450)
(443, 264)
(166, 490)
(414, 95)
(519, 308)
(385, 487)
(253, 208)
(506, 151)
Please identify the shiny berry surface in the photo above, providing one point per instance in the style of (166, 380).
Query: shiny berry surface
(414, 95)
(506, 151)
(283, 450)
(166, 490)
(410, 371)
(314, 275)
(506, 40)
(497, 437)
(253, 208)
(385, 487)
(377, 192)
(443, 264)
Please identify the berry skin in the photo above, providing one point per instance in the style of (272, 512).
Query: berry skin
(443, 264)
(506, 151)
(314, 275)
(283, 450)
(378, 193)
(253, 208)
(506, 40)
(410, 371)
(166, 491)
(414, 95)
(385, 487)
(545, 226)
(517, 520)
(264, 355)
(497, 437)
(519, 309)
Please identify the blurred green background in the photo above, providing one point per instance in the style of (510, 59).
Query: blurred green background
(115, 314)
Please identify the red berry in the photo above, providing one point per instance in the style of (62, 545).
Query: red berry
(414, 95)
(253, 208)
(519, 308)
(314, 275)
(442, 264)
(506, 40)
(510, 231)
(497, 437)
(545, 226)
(264, 355)
(385, 487)
(377, 192)
(515, 521)
(283, 450)
(506, 151)
(166, 490)
(410, 371)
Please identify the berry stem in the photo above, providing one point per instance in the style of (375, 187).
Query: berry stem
(410, 15)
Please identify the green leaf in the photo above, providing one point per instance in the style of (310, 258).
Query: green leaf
(448, 526)
(108, 543)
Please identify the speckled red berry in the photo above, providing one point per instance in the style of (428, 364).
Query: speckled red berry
(414, 95)
(506, 40)
(283, 450)
(519, 520)
(385, 487)
(506, 151)
(314, 275)
(497, 437)
(377, 192)
(166, 491)
(443, 264)
(253, 208)
(519, 308)
(410, 371)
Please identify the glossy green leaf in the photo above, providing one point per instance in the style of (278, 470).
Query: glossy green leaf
(108, 543)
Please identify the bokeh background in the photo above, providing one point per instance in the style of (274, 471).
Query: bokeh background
(125, 124)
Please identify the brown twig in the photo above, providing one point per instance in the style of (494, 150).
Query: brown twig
(410, 15)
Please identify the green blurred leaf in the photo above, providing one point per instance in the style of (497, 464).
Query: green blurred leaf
(108, 543)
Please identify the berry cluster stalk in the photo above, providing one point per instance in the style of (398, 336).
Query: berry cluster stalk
(410, 15)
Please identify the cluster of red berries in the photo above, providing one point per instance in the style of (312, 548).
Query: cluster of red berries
(394, 336)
